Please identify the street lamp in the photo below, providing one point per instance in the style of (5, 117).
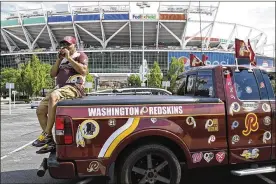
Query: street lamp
(143, 5)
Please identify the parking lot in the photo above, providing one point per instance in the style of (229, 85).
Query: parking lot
(19, 160)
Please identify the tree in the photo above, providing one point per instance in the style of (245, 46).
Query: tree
(32, 77)
(138, 81)
(155, 76)
(176, 67)
(8, 75)
(49, 81)
(89, 78)
(134, 80)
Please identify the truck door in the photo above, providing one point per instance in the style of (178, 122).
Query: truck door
(249, 116)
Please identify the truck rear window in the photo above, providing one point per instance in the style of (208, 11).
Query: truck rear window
(246, 85)
(204, 84)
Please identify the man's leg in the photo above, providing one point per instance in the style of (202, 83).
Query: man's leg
(41, 112)
(53, 99)
(63, 93)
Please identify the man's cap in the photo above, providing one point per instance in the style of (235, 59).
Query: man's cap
(69, 39)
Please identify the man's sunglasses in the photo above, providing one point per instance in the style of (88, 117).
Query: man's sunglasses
(64, 44)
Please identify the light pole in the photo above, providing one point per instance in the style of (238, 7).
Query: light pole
(143, 5)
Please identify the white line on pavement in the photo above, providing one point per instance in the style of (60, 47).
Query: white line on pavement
(269, 181)
(18, 149)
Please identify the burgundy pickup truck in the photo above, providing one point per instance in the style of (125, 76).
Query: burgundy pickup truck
(220, 116)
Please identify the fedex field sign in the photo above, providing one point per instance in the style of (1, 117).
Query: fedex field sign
(144, 17)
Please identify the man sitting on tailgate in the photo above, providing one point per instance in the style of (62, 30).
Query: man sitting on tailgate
(70, 70)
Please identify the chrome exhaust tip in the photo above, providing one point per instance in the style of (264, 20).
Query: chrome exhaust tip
(42, 168)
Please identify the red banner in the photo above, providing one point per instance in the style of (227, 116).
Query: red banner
(195, 61)
(204, 58)
(251, 55)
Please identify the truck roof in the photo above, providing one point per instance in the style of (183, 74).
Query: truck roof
(216, 66)
(136, 100)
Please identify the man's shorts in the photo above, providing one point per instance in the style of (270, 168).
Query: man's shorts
(65, 92)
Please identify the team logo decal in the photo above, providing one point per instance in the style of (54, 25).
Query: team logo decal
(88, 129)
(112, 122)
(144, 110)
(153, 120)
(248, 90)
(234, 107)
(220, 156)
(250, 106)
(234, 125)
(95, 166)
(235, 139)
(208, 156)
(212, 125)
(211, 139)
(251, 124)
(266, 107)
(262, 85)
(191, 121)
(266, 136)
(267, 121)
(197, 157)
(251, 153)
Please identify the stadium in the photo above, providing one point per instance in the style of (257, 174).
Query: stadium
(116, 40)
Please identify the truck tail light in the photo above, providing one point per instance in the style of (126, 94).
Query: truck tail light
(64, 132)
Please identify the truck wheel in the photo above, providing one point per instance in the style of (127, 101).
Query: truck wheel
(153, 164)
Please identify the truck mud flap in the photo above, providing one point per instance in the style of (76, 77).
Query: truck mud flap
(52, 160)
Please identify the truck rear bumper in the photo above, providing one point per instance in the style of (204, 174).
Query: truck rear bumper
(60, 170)
(68, 169)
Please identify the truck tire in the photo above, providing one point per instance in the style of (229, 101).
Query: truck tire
(151, 163)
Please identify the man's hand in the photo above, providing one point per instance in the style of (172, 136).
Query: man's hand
(60, 55)
(66, 53)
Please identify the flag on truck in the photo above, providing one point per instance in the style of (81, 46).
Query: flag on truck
(204, 59)
(244, 52)
(251, 55)
(195, 61)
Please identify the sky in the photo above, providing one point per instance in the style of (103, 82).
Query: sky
(260, 15)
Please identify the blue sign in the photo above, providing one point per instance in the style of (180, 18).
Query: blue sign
(216, 58)
(265, 61)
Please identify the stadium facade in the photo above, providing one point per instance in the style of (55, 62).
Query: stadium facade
(113, 37)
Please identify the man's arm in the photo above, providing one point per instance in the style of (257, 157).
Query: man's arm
(55, 67)
(80, 68)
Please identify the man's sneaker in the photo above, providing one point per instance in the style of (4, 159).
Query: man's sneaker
(47, 148)
(43, 139)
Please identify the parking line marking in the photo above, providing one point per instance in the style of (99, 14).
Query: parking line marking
(18, 149)
(269, 181)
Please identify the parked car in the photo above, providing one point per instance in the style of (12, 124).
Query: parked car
(132, 91)
(36, 101)
(220, 117)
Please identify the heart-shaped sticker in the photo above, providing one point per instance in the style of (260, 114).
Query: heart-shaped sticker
(208, 156)
(220, 156)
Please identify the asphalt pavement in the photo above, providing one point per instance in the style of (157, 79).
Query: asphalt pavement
(19, 162)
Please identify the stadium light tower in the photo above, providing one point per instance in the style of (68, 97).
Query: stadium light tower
(143, 5)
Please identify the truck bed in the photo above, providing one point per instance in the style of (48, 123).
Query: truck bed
(135, 100)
